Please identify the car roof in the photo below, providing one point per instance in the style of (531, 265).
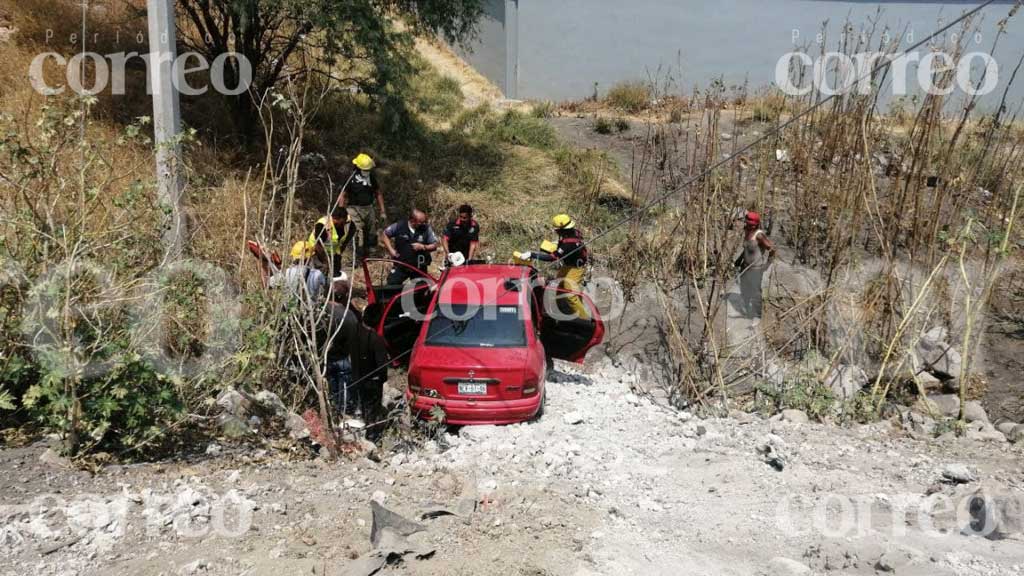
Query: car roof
(483, 284)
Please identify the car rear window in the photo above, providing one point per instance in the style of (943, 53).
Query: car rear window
(455, 325)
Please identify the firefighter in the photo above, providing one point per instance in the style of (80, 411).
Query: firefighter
(330, 238)
(363, 196)
(571, 256)
(462, 236)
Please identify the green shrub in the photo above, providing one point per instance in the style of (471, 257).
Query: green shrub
(129, 408)
(604, 125)
(436, 95)
(631, 97)
(800, 390)
(512, 127)
(545, 109)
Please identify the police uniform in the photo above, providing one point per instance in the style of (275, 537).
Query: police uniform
(461, 235)
(402, 238)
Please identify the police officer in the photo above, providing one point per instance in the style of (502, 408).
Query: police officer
(462, 235)
(410, 242)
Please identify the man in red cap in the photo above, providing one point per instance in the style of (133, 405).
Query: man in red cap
(758, 251)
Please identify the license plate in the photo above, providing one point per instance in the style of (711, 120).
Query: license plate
(472, 388)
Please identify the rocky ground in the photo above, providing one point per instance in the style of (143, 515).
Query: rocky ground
(607, 482)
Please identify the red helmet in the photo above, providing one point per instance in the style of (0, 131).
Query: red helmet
(753, 218)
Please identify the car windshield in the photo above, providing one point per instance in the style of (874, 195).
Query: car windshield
(456, 325)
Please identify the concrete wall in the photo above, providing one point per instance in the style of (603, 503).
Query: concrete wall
(559, 49)
(494, 52)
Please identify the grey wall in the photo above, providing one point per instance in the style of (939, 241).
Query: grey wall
(565, 46)
(493, 53)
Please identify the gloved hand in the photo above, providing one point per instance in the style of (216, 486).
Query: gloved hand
(523, 255)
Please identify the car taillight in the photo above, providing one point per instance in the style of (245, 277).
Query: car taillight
(414, 382)
(530, 387)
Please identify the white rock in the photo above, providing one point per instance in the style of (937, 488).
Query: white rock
(937, 355)
(1006, 428)
(572, 418)
(478, 433)
(780, 566)
(845, 381)
(975, 412)
(795, 416)
(958, 473)
(298, 429)
(272, 402)
(1017, 434)
(947, 405)
(487, 486)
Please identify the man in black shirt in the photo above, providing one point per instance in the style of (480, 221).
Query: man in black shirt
(357, 361)
(364, 199)
(462, 234)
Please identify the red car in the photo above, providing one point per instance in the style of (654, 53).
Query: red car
(480, 340)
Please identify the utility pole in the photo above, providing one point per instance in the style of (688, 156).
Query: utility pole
(166, 123)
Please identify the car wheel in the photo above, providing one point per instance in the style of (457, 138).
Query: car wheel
(543, 405)
(550, 362)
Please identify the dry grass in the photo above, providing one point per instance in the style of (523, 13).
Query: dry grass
(855, 187)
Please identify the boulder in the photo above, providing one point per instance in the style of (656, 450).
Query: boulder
(937, 355)
(918, 424)
(1006, 428)
(928, 382)
(947, 405)
(1017, 434)
(232, 426)
(983, 432)
(975, 412)
(845, 381)
(795, 416)
(996, 513)
(271, 402)
(236, 403)
(298, 428)
(958, 474)
(51, 458)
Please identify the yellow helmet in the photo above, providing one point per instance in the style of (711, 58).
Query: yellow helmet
(563, 222)
(301, 251)
(363, 162)
(548, 246)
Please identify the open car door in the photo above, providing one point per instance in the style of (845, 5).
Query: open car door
(397, 311)
(565, 336)
(377, 290)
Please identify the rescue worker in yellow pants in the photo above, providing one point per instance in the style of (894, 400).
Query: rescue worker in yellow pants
(570, 254)
(329, 239)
